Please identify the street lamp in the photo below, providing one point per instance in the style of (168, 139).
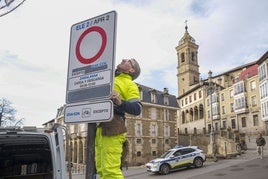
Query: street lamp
(211, 90)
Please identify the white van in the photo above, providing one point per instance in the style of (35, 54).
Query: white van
(32, 153)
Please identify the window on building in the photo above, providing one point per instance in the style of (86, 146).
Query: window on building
(240, 103)
(186, 131)
(231, 93)
(167, 131)
(214, 98)
(139, 154)
(194, 96)
(216, 126)
(191, 114)
(264, 90)
(153, 130)
(182, 103)
(264, 109)
(222, 96)
(138, 141)
(244, 122)
(200, 94)
(153, 113)
(204, 130)
(254, 101)
(138, 129)
(153, 141)
(253, 85)
(195, 130)
(223, 109)
(166, 101)
(153, 97)
(190, 99)
(183, 119)
(186, 101)
(166, 114)
(166, 141)
(255, 120)
(153, 153)
(209, 128)
(193, 56)
(215, 110)
(182, 57)
(233, 123)
(208, 113)
(239, 88)
(201, 111)
(224, 126)
(232, 107)
(262, 69)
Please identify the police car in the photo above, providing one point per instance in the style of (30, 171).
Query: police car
(176, 158)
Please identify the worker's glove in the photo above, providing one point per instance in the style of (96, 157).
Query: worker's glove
(116, 98)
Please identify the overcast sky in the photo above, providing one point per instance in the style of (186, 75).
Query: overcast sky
(34, 43)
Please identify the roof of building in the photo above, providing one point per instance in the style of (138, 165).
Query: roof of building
(236, 69)
(249, 72)
(146, 96)
(263, 58)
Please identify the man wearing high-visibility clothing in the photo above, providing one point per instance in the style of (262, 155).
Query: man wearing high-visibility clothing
(110, 136)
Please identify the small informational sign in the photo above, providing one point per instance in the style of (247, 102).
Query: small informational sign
(91, 59)
(89, 112)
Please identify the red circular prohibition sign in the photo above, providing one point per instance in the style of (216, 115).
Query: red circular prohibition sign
(103, 45)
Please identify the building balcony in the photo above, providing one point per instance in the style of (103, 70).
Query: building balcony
(215, 117)
(241, 110)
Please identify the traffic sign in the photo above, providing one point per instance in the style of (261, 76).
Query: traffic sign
(91, 59)
(91, 70)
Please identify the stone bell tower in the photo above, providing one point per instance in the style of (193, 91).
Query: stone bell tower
(188, 68)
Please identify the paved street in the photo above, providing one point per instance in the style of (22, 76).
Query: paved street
(246, 166)
(256, 168)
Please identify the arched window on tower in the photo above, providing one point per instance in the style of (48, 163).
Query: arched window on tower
(183, 117)
(182, 57)
(193, 56)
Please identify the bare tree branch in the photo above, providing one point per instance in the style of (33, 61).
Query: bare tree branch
(7, 113)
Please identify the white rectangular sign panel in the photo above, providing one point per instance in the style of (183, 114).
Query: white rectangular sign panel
(89, 113)
(91, 59)
(90, 80)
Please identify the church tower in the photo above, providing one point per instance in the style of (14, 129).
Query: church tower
(188, 68)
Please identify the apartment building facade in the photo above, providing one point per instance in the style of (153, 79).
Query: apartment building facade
(234, 100)
(263, 85)
(149, 135)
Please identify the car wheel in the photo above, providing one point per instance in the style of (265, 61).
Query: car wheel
(198, 162)
(164, 169)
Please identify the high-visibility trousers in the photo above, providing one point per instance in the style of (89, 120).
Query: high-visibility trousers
(108, 152)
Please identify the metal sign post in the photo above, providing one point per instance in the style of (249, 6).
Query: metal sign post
(90, 77)
(90, 167)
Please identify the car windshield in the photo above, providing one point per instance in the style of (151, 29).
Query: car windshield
(166, 154)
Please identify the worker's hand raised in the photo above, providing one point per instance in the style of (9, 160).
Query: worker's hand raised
(116, 98)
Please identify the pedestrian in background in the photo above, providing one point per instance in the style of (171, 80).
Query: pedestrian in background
(111, 136)
(260, 141)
